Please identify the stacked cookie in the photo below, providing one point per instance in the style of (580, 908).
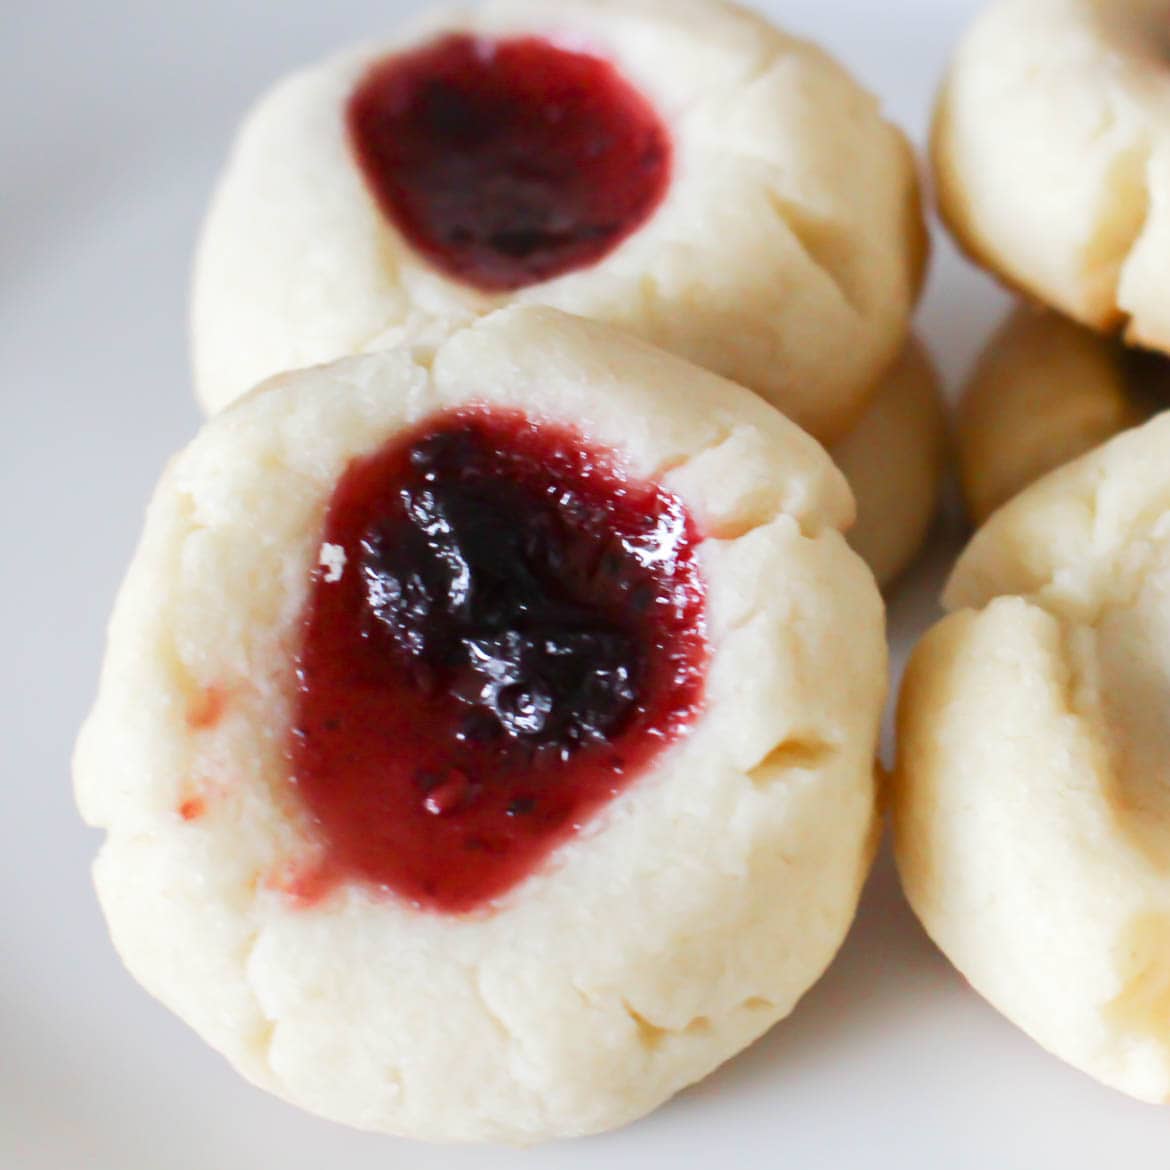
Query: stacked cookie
(1032, 824)
(1044, 391)
(753, 214)
(1048, 156)
(485, 743)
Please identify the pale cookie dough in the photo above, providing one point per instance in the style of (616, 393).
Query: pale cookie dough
(787, 254)
(1044, 391)
(1052, 156)
(894, 460)
(689, 916)
(1031, 804)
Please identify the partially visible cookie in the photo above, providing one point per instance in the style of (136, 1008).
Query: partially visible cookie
(1052, 157)
(485, 740)
(894, 460)
(1044, 391)
(1031, 808)
(680, 168)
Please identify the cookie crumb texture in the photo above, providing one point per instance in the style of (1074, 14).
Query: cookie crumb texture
(508, 162)
(686, 915)
(520, 634)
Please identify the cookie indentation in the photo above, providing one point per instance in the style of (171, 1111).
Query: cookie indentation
(517, 633)
(507, 163)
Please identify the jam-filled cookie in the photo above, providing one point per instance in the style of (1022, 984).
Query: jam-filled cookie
(680, 168)
(1052, 156)
(485, 739)
(894, 460)
(1044, 391)
(1031, 804)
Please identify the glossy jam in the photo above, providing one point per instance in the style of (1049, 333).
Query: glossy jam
(511, 162)
(513, 635)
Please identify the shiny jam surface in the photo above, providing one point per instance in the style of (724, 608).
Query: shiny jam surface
(504, 633)
(507, 163)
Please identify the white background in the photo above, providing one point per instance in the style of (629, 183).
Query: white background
(113, 121)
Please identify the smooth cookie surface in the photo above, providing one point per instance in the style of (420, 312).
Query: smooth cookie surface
(1044, 391)
(895, 459)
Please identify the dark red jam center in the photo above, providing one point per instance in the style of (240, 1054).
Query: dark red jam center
(516, 633)
(507, 163)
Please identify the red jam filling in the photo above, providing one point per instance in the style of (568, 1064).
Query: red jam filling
(515, 633)
(511, 162)
(193, 808)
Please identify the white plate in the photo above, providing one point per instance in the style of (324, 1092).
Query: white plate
(115, 119)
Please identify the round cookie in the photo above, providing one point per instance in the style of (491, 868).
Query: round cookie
(669, 925)
(1044, 391)
(1031, 814)
(894, 460)
(708, 182)
(1052, 156)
